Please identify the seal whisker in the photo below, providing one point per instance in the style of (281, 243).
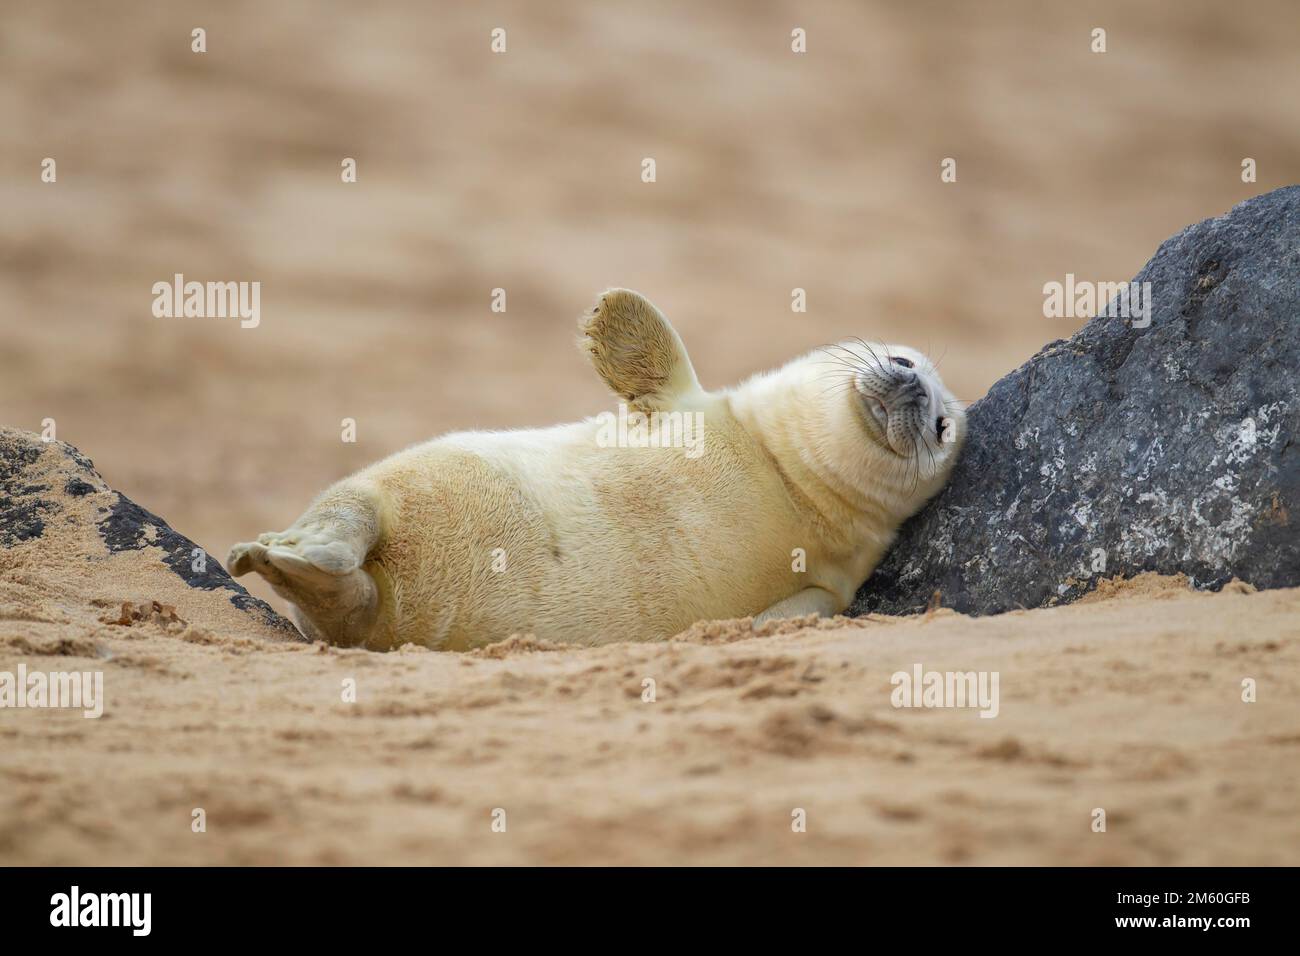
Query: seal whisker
(842, 376)
(843, 363)
(845, 354)
(941, 358)
(916, 453)
(848, 361)
(930, 454)
(872, 351)
(842, 387)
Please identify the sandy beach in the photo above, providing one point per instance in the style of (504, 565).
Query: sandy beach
(1130, 703)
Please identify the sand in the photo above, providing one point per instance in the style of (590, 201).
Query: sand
(521, 172)
(1131, 703)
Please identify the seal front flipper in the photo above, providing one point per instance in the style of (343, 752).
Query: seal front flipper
(637, 352)
(808, 601)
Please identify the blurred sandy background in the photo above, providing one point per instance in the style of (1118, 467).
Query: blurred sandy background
(522, 171)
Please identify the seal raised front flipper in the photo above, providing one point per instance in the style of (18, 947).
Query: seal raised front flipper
(637, 352)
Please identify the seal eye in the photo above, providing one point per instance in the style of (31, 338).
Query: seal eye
(938, 428)
(899, 360)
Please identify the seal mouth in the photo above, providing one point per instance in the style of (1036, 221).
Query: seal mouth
(878, 411)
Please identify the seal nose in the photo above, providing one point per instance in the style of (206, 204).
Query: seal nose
(908, 388)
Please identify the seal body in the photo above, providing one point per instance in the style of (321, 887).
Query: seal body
(772, 499)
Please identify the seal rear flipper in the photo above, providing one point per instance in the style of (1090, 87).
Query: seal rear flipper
(319, 564)
(637, 352)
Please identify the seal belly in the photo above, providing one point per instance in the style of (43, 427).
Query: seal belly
(544, 532)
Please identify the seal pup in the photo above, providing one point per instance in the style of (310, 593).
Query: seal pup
(779, 499)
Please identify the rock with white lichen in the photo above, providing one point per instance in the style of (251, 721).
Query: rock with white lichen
(1166, 443)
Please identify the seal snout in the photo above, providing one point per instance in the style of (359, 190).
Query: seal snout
(905, 404)
(895, 388)
(909, 389)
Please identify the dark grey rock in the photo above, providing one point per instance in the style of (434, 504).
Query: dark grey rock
(22, 516)
(1170, 448)
(28, 504)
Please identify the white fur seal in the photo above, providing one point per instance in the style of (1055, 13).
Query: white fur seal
(779, 500)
